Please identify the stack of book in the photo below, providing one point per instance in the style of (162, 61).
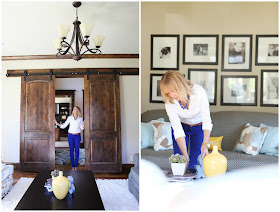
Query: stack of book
(187, 177)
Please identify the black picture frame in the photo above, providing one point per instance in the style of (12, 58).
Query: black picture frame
(206, 82)
(231, 94)
(155, 94)
(271, 98)
(263, 53)
(158, 46)
(235, 63)
(196, 55)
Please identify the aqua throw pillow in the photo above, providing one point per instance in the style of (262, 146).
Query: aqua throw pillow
(147, 134)
(271, 142)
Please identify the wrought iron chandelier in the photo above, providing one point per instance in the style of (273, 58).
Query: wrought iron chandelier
(79, 39)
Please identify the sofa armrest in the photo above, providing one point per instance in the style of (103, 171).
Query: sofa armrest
(136, 159)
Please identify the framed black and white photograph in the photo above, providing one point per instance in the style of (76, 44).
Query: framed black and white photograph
(207, 78)
(200, 49)
(165, 52)
(237, 53)
(267, 50)
(239, 90)
(269, 88)
(155, 93)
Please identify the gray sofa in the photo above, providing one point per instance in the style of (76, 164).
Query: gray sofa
(133, 177)
(225, 123)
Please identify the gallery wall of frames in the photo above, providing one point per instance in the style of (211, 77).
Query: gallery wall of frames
(238, 90)
(233, 56)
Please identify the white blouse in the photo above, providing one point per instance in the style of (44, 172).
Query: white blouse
(75, 125)
(198, 112)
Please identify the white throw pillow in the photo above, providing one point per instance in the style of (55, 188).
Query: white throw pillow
(251, 139)
(162, 135)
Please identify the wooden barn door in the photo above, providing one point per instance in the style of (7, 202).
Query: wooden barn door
(102, 123)
(37, 145)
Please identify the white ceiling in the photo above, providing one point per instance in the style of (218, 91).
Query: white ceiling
(29, 28)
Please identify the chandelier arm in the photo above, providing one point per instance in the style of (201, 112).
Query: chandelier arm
(82, 41)
(68, 47)
(63, 53)
(90, 50)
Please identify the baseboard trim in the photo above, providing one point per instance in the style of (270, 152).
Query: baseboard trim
(17, 166)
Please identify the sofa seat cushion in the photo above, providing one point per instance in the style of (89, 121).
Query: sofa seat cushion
(239, 160)
(160, 158)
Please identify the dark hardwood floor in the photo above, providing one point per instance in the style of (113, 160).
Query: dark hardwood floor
(123, 175)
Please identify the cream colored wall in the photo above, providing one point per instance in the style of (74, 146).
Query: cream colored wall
(205, 18)
(10, 103)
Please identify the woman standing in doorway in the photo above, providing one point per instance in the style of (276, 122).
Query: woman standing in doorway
(187, 107)
(74, 134)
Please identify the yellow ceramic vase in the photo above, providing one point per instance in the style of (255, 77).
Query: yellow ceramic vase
(60, 186)
(214, 163)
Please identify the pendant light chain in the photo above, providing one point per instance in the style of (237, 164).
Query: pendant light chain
(77, 14)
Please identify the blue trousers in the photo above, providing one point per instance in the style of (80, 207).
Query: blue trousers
(195, 136)
(74, 143)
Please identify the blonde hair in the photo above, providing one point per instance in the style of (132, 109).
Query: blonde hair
(79, 111)
(173, 81)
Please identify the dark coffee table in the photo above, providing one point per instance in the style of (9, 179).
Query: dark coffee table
(85, 197)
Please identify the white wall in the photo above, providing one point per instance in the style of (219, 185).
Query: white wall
(11, 91)
(29, 27)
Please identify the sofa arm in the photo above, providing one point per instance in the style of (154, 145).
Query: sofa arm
(136, 159)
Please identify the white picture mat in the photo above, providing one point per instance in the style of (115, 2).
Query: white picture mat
(155, 80)
(206, 80)
(160, 42)
(237, 84)
(263, 50)
(270, 88)
(228, 40)
(190, 41)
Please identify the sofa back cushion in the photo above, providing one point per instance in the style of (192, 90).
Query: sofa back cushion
(225, 123)
(154, 115)
(231, 123)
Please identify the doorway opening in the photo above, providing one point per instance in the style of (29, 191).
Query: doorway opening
(69, 92)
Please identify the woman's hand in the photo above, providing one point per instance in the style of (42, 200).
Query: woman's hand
(57, 123)
(83, 126)
(204, 151)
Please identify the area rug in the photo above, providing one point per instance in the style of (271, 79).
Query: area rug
(114, 194)
(62, 156)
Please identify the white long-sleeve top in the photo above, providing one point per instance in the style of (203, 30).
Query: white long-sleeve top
(197, 112)
(76, 125)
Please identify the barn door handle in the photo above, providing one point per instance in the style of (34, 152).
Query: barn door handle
(115, 74)
(51, 73)
(87, 73)
(25, 74)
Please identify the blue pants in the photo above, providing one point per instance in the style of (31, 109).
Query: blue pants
(195, 135)
(74, 142)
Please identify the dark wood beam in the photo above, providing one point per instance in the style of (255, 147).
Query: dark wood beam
(85, 56)
(72, 72)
